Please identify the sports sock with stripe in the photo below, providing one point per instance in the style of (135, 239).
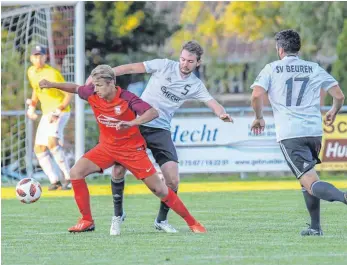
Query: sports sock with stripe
(175, 203)
(82, 198)
(117, 187)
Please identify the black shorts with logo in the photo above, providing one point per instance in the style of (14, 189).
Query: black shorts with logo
(160, 143)
(301, 153)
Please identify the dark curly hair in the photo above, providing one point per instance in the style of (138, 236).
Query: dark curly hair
(194, 47)
(289, 40)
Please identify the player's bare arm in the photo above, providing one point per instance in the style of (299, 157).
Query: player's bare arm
(133, 68)
(32, 106)
(338, 100)
(219, 110)
(67, 87)
(258, 124)
(147, 116)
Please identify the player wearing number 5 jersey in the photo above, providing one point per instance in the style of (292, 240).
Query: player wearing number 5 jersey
(170, 85)
(293, 86)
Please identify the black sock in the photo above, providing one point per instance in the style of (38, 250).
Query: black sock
(163, 210)
(117, 187)
(328, 192)
(313, 207)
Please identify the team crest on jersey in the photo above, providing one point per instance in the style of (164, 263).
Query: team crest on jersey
(117, 110)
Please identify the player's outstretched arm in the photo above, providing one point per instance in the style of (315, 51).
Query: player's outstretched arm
(147, 116)
(67, 87)
(258, 124)
(219, 110)
(133, 68)
(338, 99)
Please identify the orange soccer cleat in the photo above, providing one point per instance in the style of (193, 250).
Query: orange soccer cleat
(198, 228)
(82, 226)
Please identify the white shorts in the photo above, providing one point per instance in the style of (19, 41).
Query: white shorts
(55, 129)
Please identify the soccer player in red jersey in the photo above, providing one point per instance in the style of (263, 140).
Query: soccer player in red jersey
(118, 114)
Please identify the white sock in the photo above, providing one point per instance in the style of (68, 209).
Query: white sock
(45, 162)
(59, 157)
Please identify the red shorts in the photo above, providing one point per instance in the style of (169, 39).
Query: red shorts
(135, 159)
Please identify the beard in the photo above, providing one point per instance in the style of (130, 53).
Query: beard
(185, 71)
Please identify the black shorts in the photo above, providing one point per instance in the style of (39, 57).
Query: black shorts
(160, 143)
(301, 153)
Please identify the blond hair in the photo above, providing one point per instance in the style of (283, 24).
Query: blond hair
(103, 71)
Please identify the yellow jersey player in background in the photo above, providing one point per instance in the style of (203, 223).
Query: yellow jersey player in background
(55, 106)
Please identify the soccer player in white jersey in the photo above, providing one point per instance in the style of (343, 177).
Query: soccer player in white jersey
(170, 85)
(293, 86)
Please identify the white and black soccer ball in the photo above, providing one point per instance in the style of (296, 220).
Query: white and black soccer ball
(28, 190)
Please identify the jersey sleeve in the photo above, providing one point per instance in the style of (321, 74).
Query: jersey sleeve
(326, 80)
(202, 94)
(155, 65)
(264, 78)
(85, 91)
(136, 104)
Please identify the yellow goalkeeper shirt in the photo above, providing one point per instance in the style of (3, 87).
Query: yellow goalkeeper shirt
(50, 98)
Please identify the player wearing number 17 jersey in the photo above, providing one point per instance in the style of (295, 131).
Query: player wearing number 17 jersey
(293, 86)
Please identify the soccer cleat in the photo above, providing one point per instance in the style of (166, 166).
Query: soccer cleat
(55, 186)
(82, 226)
(66, 185)
(115, 224)
(198, 228)
(164, 226)
(311, 232)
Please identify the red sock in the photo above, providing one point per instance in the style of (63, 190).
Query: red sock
(81, 191)
(175, 203)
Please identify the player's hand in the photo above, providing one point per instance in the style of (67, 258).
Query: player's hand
(45, 84)
(258, 126)
(31, 113)
(330, 117)
(31, 110)
(54, 116)
(226, 118)
(124, 125)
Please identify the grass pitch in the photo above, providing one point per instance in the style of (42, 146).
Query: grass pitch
(248, 227)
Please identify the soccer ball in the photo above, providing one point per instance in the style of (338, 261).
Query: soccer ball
(28, 190)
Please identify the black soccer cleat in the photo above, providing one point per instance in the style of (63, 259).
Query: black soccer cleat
(311, 232)
(55, 186)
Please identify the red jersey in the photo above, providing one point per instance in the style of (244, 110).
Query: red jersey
(124, 107)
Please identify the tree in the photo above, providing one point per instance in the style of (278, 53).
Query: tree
(117, 32)
(340, 66)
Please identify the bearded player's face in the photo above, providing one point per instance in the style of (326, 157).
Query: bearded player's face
(188, 62)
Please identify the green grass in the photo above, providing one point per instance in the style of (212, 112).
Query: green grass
(243, 228)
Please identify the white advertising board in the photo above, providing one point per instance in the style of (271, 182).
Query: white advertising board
(208, 145)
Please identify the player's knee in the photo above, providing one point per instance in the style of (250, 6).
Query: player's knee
(76, 173)
(160, 191)
(118, 172)
(173, 182)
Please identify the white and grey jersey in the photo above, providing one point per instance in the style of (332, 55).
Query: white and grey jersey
(166, 90)
(293, 87)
